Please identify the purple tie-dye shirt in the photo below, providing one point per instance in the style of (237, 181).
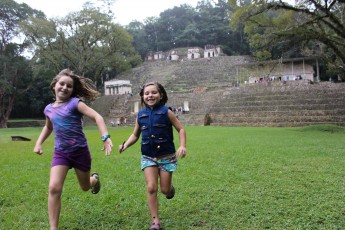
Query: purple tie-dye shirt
(67, 124)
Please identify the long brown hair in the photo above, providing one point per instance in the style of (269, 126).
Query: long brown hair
(82, 87)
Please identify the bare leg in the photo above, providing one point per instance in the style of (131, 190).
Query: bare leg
(57, 177)
(85, 181)
(165, 182)
(151, 177)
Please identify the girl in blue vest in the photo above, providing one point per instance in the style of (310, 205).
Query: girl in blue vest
(159, 157)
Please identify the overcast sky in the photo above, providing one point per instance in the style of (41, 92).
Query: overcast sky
(125, 10)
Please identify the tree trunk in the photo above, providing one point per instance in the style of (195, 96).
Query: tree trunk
(5, 113)
(3, 123)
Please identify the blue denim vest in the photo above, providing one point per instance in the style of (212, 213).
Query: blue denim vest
(156, 130)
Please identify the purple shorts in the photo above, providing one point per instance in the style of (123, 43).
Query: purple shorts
(79, 159)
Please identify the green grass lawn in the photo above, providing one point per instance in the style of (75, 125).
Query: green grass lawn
(232, 178)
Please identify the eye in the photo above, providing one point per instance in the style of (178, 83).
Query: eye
(62, 83)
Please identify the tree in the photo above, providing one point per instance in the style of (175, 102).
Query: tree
(213, 25)
(314, 26)
(151, 33)
(86, 42)
(14, 70)
(185, 26)
(172, 24)
(137, 30)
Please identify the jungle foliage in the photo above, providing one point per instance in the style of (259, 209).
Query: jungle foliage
(185, 26)
(308, 28)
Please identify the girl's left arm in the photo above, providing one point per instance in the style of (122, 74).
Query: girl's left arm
(96, 117)
(181, 151)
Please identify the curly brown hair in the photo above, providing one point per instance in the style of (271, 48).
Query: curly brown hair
(82, 87)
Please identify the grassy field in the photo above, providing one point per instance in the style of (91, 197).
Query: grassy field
(232, 178)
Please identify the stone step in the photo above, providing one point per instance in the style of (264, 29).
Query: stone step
(275, 119)
(284, 113)
(282, 97)
(278, 108)
(320, 101)
(276, 124)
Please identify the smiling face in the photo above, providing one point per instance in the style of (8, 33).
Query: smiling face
(151, 96)
(63, 88)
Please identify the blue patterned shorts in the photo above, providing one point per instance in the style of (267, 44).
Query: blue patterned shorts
(166, 164)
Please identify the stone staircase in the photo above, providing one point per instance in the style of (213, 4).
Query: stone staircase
(210, 87)
(113, 108)
(295, 103)
(186, 76)
(278, 104)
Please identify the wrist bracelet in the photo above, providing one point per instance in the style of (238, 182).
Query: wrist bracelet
(105, 137)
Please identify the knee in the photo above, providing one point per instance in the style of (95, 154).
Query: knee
(55, 189)
(152, 188)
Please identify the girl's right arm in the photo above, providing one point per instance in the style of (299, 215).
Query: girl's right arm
(46, 131)
(132, 138)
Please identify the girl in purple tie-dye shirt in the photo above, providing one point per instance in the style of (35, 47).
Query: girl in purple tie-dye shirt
(64, 118)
